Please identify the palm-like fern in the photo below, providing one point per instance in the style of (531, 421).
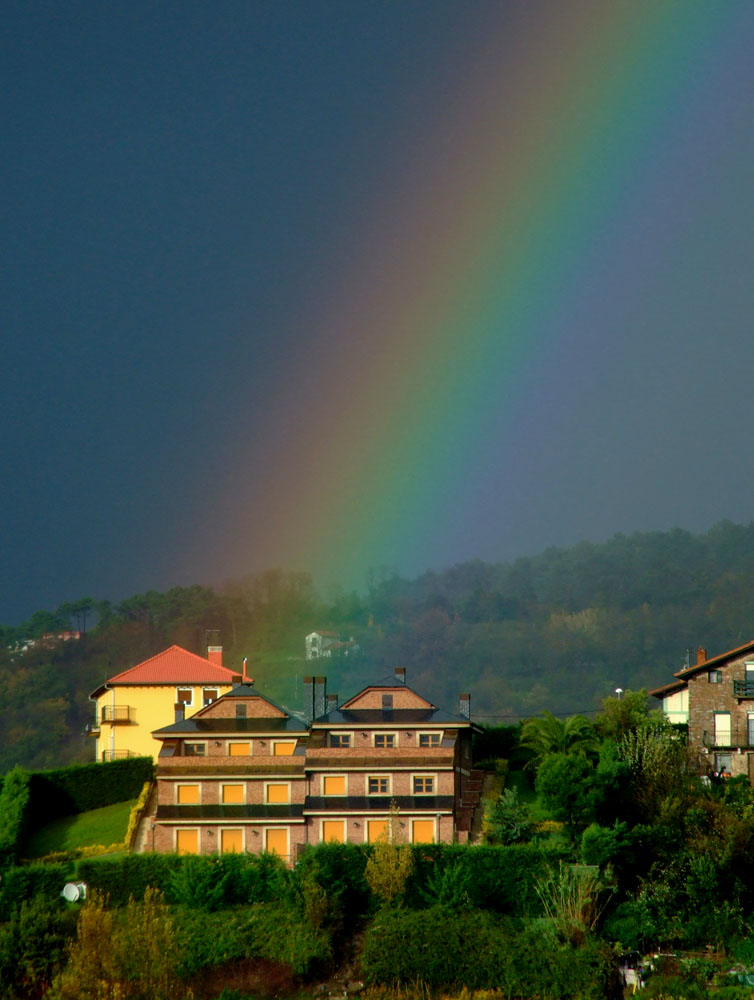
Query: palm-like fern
(547, 734)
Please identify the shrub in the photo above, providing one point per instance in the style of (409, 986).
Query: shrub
(200, 883)
(122, 877)
(31, 881)
(439, 947)
(14, 814)
(339, 869)
(390, 865)
(507, 819)
(33, 947)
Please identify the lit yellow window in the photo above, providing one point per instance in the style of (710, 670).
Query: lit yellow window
(278, 793)
(231, 841)
(376, 830)
(284, 749)
(422, 831)
(334, 830)
(232, 794)
(277, 842)
(239, 749)
(187, 841)
(334, 784)
(187, 795)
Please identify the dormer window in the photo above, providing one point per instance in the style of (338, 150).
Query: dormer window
(240, 711)
(387, 701)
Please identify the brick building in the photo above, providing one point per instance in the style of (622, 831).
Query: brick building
(243, 774)
(719, 693)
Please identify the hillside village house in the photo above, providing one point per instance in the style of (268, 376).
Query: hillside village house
(717, 697)
(130, 705)
(244, 774)
(321, 643)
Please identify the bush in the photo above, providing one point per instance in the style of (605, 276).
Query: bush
(82, 787)
(31, 881)
(443, 948)
(33, 946)
(14, 814)
(507, 820)
(129, 875)
(339, 869)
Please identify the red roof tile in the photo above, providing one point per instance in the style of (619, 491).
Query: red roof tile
(175, 666)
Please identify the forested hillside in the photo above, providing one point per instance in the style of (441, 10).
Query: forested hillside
(558, 631)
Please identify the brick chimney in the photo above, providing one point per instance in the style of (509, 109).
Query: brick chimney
(308, 699)
(701, 655)
(180, 711)
(332, 702)
(320, 696)
(464, 705)
(400, 675)
(215, 655)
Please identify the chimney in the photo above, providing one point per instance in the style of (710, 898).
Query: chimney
(215, 655)
(332, 702)
(464, 708)
(701, 655)
(320, 696)
(180, 711)
(308, 699)
(400, 675)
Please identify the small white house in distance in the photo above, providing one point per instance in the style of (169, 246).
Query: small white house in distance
(321, 643)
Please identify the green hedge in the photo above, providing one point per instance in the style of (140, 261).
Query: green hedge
(339, 870)
(502, 879)
(206, 882)
(32, 882)
(15, 811)
(479, 950)
(82, 787)
(275, 931)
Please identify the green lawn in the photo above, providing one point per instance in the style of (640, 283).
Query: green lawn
(100, 826)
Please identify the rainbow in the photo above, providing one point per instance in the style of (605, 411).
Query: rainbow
(425, 360)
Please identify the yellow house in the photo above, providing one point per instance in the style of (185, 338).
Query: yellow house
(132, 704)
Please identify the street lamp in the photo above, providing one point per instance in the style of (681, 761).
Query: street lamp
(619, 692)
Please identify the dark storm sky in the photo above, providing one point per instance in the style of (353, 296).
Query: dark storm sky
(186, 184)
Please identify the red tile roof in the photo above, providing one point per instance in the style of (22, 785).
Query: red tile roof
(175, 666)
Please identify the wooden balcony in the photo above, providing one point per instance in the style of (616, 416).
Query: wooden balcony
(116, 713)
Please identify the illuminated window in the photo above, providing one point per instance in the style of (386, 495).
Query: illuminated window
(239, 749)
(231, 841)
(277, 793)
(231, 794)
(283, 748)
(334, 784)
(187, 795)
(187, 841)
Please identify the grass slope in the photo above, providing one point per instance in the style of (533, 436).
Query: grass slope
(99, 826)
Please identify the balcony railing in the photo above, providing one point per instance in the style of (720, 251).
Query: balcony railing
(91, 729)
(115, 754)
(116, 713)
(743, 689)
(737, 736)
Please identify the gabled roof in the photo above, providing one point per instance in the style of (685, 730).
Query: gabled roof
(389, 684)
(709, 664)
(173, 666)
(390, 717)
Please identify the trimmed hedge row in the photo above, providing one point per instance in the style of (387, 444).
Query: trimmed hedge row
(32, 882)
(82, 787)
(478, 950)
(14, 814)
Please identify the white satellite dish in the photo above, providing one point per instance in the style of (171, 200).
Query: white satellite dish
(74, 891)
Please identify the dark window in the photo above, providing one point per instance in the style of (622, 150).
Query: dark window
(384, 740)
(424, 786)
(387, 701)
(195, 749)
(379, 786)
(210, 695)
(340, 739)
(429, 739)
(240, 711)
(715, 676)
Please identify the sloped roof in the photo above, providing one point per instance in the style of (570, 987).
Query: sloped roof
(389, 717)
(173, 666)
(387, 684)
(709, 664)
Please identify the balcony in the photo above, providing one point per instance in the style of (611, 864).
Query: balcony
(737, 736)
(116, 713)
(743, 689)
(91, 729)
(115, 754)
